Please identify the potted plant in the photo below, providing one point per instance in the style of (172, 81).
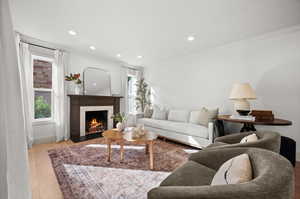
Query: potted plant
(75, 81)
(143, 94)
(120, 118)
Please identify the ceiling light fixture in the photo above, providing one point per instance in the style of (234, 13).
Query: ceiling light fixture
(140, 57)
(72, 32)
(190, 38)
(92, 47)
(118, 55)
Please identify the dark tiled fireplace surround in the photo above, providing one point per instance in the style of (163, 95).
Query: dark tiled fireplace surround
(77, 101)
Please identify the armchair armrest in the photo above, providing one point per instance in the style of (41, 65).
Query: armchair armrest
(214, 158)
(244, 191)
(232, 138)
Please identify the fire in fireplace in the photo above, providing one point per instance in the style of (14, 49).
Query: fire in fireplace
(95, 122)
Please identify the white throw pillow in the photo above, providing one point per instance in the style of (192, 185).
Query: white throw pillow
(250, 138)
(148, 111)
(207, 116)
(159, 113)
(195, 117)
(234, 171)
(178, 115)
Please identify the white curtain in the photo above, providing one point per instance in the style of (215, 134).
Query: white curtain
(14, 180)
(61, 107)
(26, 76)
(124, 91)
(126, 71)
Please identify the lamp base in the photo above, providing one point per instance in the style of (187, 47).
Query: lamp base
(243, 112)
(242, 106)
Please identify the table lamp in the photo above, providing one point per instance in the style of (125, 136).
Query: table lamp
(241, 93)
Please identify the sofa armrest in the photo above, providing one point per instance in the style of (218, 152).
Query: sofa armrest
(238, 191)
(232, 138)
(133, 118)
(214, 158)
(139, 116)
(210, 129)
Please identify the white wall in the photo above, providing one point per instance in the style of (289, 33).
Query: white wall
(44, 133)
(271, 63)
(79, 61)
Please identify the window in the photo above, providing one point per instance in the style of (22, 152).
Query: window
(131, 85)
(42, 88)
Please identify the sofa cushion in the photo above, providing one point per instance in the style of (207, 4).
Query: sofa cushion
(207, 116)
(234, 171)
(159, 113)
(178, 115)
(148, 111)
(179, 127)
(190, 174)
(195, 117)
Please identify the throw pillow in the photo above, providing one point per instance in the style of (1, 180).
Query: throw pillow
(178, 115)
(234, 171)
(250, 138)
(207, 116)
(195, 117)
(159, 113)
(148, 111)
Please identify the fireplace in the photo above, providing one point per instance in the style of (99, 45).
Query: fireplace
(95, 119)
(80, 104)
(95, 122)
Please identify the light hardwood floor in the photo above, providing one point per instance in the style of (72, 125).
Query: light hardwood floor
(44, 184)
(43, 180)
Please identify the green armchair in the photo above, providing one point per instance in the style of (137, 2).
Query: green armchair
(266, 140)
(273, 177)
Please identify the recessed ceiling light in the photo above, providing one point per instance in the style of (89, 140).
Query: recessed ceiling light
(92, 47)
(190, 38)
(118, 55)
(72, 32)
(140, 57)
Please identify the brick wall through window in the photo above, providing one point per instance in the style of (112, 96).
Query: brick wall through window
(42, 74)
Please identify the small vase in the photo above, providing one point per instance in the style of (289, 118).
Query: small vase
(77, 89)
(120, 126)
(74, 88)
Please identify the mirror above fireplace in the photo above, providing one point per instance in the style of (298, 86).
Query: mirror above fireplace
(96, 81)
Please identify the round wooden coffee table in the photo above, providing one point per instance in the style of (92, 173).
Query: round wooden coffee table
(120, 138)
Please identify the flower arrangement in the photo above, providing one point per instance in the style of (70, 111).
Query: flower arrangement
(119, 117)
(73, 77)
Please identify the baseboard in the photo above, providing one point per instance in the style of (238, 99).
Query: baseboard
(298, 156)
(44, 140)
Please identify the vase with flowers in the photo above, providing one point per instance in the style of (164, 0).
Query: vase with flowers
(75, 83)
(120, 118)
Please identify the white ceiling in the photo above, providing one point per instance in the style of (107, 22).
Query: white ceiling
(155, 29)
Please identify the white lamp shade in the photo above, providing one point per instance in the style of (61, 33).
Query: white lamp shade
(242, 91)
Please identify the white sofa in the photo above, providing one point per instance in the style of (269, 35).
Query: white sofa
(179, 126)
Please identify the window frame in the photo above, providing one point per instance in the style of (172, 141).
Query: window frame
(132, 96)
(51, 90)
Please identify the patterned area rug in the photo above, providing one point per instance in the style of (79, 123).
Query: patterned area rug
(83, 172)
